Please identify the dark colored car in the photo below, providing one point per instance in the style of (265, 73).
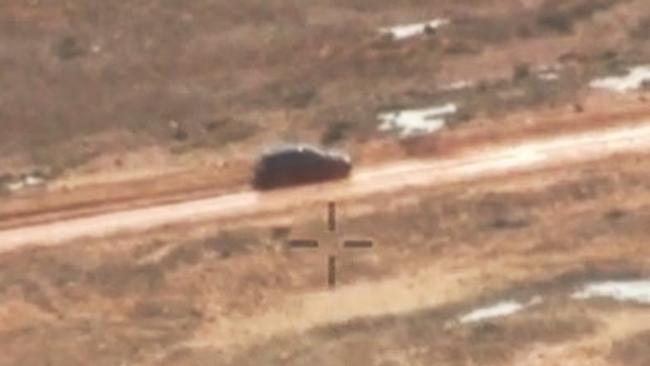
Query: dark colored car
(294, 165)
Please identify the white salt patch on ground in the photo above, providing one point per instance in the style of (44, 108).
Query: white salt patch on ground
(637, 291)
(632, 81)
(494, 311)
(458, 85)
(27, 181)
(498, 310)
(31, 181)
(405, 31)
(416, 121)
(548, 72)
(15, 186)
(548, 75)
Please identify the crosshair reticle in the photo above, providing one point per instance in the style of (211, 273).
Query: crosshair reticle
(331, 259)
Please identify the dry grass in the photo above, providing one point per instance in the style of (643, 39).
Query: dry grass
(421, 339)
(219, 70)
(147, 298)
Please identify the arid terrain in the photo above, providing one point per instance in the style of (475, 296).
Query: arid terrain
(516, 234)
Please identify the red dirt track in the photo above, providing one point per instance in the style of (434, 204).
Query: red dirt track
(525, 156)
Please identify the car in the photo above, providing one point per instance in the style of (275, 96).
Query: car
(299, 164)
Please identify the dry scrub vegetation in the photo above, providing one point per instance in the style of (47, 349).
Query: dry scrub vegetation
(95, 78)
(142, 300)
(85, 79)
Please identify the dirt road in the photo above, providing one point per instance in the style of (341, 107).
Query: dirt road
(525, 156)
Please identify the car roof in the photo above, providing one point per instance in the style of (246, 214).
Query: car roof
(302, 148)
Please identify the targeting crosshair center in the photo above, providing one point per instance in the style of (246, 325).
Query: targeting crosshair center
(331, 259)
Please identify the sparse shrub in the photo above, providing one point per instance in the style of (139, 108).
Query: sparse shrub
(608, 55)
(430, 31)
(615, 214)
(462, 48)
(234, 131)
(645, 85)
(227, 244)
(335, 132)
(176, 310)
(520, 72)
(119, 279)
(261, 11)
(223, 131)
(482, 86)
(147, 310)
(484, 29)
(183, 255)
(69, 48)
(180, 135)
(210, 126)
(561, 17)
(299, 97)
(280, 232)
(463, 114)
(609, 63)
(508, 223)
(555, 20)
(4, 180)
(578, 108)
(524, 31)
(571, 56)
(358, 5)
